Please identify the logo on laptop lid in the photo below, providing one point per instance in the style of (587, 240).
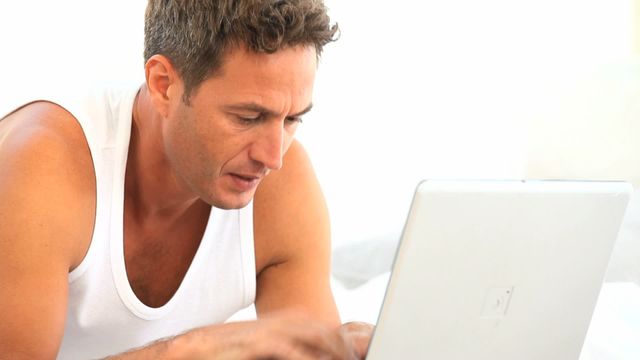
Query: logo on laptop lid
(496, 302)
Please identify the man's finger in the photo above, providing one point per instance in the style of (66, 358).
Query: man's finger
(358, 334)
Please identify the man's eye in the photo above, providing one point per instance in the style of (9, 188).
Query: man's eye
(249, 119)
(294, 119)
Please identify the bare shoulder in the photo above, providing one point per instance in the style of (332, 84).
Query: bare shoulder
(296, 169)
(47, 189)
(46, 169)
(287, 203)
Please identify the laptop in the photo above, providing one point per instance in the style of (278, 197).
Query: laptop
(500, 270)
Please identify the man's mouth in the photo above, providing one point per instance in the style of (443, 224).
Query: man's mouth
(245, 182)
(248, 177)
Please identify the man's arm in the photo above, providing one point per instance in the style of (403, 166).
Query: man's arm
(47, 202)
(292, 235)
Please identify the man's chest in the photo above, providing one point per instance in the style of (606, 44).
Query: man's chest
(158, 256)
(156, 264)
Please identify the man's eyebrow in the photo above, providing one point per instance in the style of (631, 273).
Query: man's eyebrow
(254, 107)
(306, 110)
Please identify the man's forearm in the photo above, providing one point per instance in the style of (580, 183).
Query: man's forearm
(175, 347)
(285, 336)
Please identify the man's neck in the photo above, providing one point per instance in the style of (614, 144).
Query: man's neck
(152, 188)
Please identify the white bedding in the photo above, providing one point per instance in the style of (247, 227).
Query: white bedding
(615, 327)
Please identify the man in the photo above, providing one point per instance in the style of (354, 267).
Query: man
(108, 238)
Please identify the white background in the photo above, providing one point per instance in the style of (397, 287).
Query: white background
(413, 89)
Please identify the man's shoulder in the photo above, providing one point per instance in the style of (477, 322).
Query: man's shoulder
(39, 121)
(43, 135)
(290, 214)
(295, 168)
(46, 171)
(283, 190)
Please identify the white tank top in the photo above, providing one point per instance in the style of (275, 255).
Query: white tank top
(104, 316)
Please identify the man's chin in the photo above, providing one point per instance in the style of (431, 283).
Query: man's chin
(228, 206)
(231, 201)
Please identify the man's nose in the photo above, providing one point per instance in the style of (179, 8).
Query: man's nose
(269, 147)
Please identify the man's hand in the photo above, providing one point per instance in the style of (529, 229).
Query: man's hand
(358, 336)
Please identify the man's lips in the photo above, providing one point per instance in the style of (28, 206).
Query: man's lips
(245, 182)
(248, 177)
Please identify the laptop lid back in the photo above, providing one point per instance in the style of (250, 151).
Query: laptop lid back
(499, 270)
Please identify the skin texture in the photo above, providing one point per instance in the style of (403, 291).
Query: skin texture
(43, 234)
(235, 142)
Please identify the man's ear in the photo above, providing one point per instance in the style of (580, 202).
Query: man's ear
(163, 83)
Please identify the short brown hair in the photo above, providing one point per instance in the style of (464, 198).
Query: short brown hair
(194, 34)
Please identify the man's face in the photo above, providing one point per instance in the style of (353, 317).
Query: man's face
(239, 123)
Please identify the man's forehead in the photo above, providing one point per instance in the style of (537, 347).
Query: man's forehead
(280, 83)
(240, 59)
